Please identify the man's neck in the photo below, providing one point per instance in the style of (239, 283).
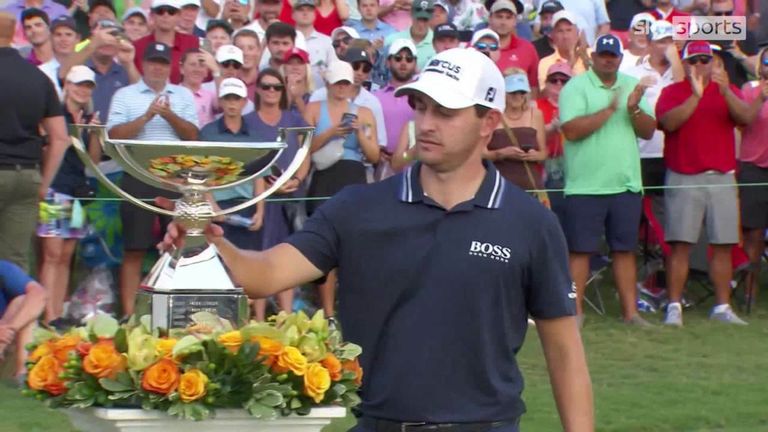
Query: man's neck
(454, 187)
(306, 30)
(167, 37)
(565, 54)
(72, 106)
(417, 39)
(156, 86)
(194, 86)
(61, 57)
(665, 9)
(369, 24)
(251, 75)
(607, 79)
(661, 64)
(233, 123)
(44, 52)
(102, 63)
(505, 40)
(397, 83)
(33, 3)
(357, 88)
(274, 64)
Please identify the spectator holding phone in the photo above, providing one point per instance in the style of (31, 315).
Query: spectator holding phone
(345, 135)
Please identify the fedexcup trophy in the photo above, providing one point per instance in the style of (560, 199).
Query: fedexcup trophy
(192, 278)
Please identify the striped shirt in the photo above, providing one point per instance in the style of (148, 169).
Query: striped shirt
(131, 102)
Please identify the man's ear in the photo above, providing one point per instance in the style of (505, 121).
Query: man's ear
(490, 123)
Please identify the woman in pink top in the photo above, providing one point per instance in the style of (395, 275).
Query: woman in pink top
(753, 168)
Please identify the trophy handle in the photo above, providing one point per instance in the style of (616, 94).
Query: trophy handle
(82, 151)
(301, 154)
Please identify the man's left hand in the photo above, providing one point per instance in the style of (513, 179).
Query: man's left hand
(126, 52)
(633, 101)
(720, 77)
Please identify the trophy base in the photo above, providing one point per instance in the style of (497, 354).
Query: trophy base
(174, 310)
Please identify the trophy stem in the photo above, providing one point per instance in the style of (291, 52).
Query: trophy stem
(193, 211)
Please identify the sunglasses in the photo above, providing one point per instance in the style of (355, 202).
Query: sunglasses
(275, 87)
(399, 58)
(345, 40)
(231, 64)
(487, 46)
(365, 66)
(765, 61)
(699, 59)
(164, 10)
(557, 81)
(519, 93)
(724, 13)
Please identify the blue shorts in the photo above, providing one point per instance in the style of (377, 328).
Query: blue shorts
(512, 427)
(590, 217)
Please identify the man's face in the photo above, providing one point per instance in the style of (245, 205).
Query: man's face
(503, 22)
(638, 35)
(701, 65)
(251, 51)
(420, 27)
(721, 8)
(36, 31)
(232, 105)
(659, 48)
(80, 93)
(279, 45)
(135, 27)
(444, 43)
(231, 69)
(545, 20)
(488, 46)
(100, 13)
(606, 62)
(156, 71)
(304, 15)
(340, 43)
(402, 65)
(369, 9)
(554, 84)
(362, 71)
(193, 69)
(187, 18)
(565, 35)
(269, 10)
(446, 138)
(218, 37)
(439, 16)
(235, 11)
(166, 18)
(64, 40)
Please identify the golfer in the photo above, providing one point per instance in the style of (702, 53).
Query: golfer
(439, 269)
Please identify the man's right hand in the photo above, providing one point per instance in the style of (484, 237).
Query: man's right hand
(174, 233)
(697, 84)
(102, 37)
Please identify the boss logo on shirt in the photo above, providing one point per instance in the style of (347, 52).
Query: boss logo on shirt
(488, 250)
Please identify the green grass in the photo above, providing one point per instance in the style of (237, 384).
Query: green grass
(704, 377)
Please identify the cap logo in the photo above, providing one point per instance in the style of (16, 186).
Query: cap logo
(160, 47)
(424, 4)
(607, 41)
(444, 67)
(490, 94)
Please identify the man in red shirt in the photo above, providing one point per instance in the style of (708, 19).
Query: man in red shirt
(665, 11)
(165, 15)
(698, 117)
(514, 51)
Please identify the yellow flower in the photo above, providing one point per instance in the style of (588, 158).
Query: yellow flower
(164, 347)
(291, 359)
(41, 351)
(317, 381)
(103, 360)
(231, 340)
(270, 349)
(192, 385)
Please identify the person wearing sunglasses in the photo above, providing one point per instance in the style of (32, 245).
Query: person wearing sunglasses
(487, 42)
(698, 117)
(165, 16)
(569, 46)
(419, 32)
(341, 38)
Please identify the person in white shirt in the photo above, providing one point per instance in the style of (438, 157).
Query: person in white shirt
(638, 37)
(267, 11)
(64, 37)
(318, 45)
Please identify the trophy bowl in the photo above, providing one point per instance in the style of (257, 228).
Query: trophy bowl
(192, 278)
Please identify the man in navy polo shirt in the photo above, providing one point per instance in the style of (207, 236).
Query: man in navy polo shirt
(439, 268)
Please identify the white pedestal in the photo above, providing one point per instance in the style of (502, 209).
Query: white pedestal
(226, 420)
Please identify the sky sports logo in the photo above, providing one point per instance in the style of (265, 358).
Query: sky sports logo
(710, 28)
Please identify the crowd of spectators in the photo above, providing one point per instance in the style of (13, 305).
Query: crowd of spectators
(602, 102)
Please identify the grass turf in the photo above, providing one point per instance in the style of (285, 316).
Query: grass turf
(704, 377)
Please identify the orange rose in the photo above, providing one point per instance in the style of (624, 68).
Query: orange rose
(162, 377)
(317, 381)
(103, 360)
(164, 347)
(83, 348)
(45, 376)
(291, 359)
(62, 346)
(193, 385)
(231, 340)
(41, 351)
(268, 348)
(354, 366)
(333, 365)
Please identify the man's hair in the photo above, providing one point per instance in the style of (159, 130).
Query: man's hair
(106, 3)
(378, 2)
(247, 33)
(189, 52)
(7, 26)
(283, 104)
(30, 13)
(217, 23)
(280, 29)
(481, 111)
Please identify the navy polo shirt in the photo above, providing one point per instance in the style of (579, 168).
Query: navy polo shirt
(438, 299)
(106, 86)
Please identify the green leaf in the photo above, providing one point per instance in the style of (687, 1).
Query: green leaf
(187, 345)
(211, 320)
(121, 341)
(40, 335)
(295, 403)
(340, 389)
(349, 351)
(350, 400)
(146, 322)
(121, 395)
(113, 385)
(260, 411)
(103, 326)
(270, 398)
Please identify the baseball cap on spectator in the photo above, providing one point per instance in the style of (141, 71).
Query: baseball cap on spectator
(514, 6)
(346, 29)
(443, 4)
(296, 52)
(79, 74)
(157, 51)
(165, 3)
(560, 67)
(422, 9)
(229, 53)
(400, 44)
(185, 3)
(339, 71)
(233, 86)
(135, 11)
(564, 15)
(696, 48)
(446, 30)
(486, 32)
(35, 13)
(218, 23)
(106, 3)
(471, 77)
(300, 3)
(355, 55)
(661, 29)
(516, 82)
(64, 21)
(608, 43)
(551, 6)
(642, 16)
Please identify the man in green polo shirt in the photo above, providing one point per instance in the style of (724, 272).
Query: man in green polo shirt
(419, 32)
(603, 113)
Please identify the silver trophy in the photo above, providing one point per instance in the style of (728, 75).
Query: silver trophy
(192, 278)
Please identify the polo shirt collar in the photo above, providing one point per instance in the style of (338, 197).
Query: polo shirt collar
(597, 82)
(489, 195)
(113, 68)
(224, 130)
(143, 87)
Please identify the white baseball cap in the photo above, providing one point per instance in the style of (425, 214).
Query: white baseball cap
(168, 3)
(661, 29)
(460, 78)
(642, 16)
(229, 53)
(401, 44)
(565, 15)
(486, 32)
(80, 74)
(339, 71)
(233, 86)
(346, 29)
(183, 3)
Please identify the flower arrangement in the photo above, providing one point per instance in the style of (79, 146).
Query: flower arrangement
(281, 367)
